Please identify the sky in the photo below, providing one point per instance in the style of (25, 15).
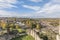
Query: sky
(30, 8)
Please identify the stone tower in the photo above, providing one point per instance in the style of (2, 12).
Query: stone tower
(59, 29)
(58, 35)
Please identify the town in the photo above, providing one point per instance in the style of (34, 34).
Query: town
(12, 28)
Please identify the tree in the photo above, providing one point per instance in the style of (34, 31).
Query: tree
(3, 25)
(33, 25)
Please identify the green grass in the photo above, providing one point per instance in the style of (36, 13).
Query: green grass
(26, 37)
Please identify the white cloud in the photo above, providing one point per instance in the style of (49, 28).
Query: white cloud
(36, 0)
(50, 10)
(31, 7)
(4, 13)
(55, 1)
(7, 3)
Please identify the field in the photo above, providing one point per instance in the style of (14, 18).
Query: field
(26, 37)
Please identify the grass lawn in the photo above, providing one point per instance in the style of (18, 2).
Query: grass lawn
(26, 37)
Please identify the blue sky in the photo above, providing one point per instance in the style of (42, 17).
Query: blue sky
(30, 8)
